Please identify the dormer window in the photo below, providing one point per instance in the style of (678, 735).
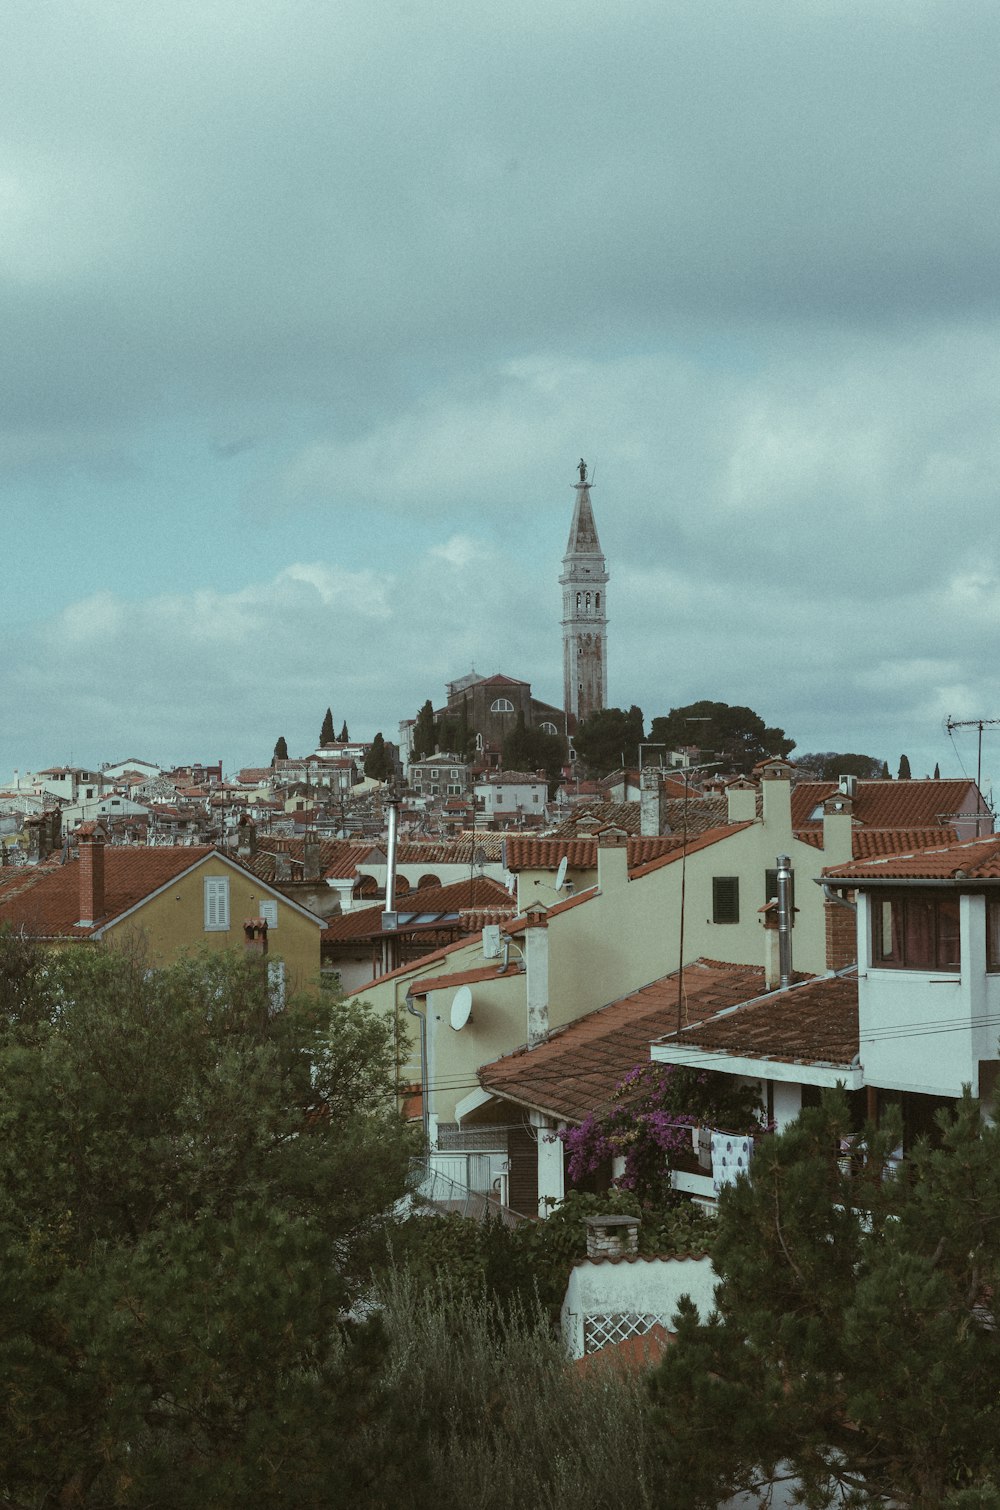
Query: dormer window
(915, 930)
(502, 705)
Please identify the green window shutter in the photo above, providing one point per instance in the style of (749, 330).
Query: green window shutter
(725, 899)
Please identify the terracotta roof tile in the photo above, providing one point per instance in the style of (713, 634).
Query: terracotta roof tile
(891, 804)
(815, 1022)
(974, 860)
(451, 902)
(577, 1068)
(49, 906)
(470, 977)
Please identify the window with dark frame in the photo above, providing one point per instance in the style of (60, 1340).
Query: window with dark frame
(725, 899)
(916, 930)
(993, 935)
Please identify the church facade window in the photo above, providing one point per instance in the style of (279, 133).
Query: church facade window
(502, 705)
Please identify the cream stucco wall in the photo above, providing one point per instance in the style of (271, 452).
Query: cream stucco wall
(173, 922)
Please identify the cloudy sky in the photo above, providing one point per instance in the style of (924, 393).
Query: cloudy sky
(309, 309)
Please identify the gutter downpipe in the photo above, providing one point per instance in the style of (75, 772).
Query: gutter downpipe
(424, 1108)
(785, 921)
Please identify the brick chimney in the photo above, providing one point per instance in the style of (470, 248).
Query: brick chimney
(90, 839)
(841, 935)
(776, 789)
(311, 869)
(255, 935)
(246, 838)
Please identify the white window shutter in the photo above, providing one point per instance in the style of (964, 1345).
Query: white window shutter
(216, 904)
(269, 912)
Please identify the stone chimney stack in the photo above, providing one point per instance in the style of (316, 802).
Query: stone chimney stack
(90, 838)
(612, 1237)
(651, 808)
(311, 870)
(246, 838)
(43, 832)
(536, 963)
(612, 859)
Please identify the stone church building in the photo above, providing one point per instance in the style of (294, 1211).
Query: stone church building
(492, 703)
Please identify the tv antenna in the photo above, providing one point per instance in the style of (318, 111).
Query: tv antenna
(973, 723)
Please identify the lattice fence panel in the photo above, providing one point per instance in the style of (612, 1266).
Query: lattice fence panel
(599, 1331)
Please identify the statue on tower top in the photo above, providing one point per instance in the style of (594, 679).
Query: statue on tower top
(582, 470)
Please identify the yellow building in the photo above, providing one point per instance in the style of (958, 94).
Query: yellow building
(167, 900)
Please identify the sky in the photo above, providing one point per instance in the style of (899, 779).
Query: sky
(309, 310)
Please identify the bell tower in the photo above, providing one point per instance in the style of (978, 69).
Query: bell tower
(584, 618)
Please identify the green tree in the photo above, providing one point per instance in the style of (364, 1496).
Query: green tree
(855, 1337)
(885, 771)
(827, 765)
(191, 1187)
(609, 739)
(526, 749)
(378, 764)
(904, 769)
(280, 751)
(735, 736)
(937, 771)
(423, 733)
(343, 737)
(326, 735)
(495, 1418)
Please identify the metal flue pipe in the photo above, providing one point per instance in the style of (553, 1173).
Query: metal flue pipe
(785, 920)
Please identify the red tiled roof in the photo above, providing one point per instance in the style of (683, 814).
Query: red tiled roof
(491, 971)
(47, 904)
(974, 860)
(702, 813)
(452, 901)
(576, 1069)
(815, 1022)
(891, 804)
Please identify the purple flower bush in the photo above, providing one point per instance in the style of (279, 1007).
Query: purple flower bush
(648, 1123)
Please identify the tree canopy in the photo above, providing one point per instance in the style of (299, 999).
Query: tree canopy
(609, 739)
(736, 736)
(855, 1339)
(423, 733)
(326, 734)
(904, 769)
(378, 762)
(192, 1183)
(827, 765)
(343, 736)
(527, 749)
(280, 750)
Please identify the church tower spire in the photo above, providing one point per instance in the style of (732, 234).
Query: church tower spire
(585, 619)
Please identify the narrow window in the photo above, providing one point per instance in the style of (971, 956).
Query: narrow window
(725, 899)
(268, 910)
(216, 904)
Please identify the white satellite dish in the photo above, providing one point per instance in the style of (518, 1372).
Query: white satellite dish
(461, 1008)
(561, 873)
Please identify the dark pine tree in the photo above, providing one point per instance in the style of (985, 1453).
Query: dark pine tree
(280, 751)
(937, 770)
(885, 771)
(377, 763)
(423, 732)
(326, 734)
(343, 736)
(904, 769)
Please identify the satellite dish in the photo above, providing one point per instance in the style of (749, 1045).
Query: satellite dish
(461, 1008)
(561, 873)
